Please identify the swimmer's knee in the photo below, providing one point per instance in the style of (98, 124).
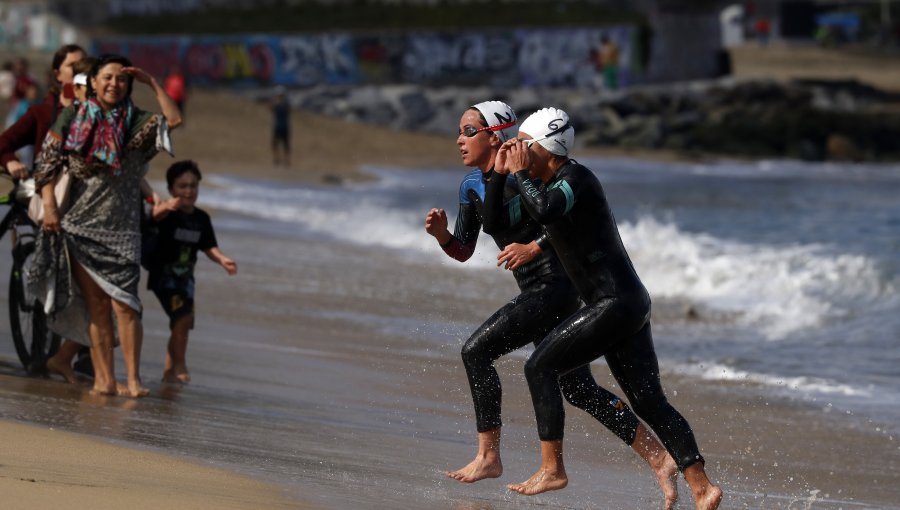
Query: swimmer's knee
(536, 370)
(474, 354)
(469, 352)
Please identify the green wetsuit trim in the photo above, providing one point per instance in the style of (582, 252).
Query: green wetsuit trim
(567, 190)
(515, 211)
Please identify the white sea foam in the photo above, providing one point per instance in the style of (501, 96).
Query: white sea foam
(804, 385)
(777, 290)
(365, 214)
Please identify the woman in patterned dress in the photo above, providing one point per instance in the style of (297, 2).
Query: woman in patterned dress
(104, 143)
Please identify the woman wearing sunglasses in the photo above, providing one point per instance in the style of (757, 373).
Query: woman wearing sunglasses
(568, 200)
(546, 297)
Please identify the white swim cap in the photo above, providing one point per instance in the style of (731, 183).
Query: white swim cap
(550, 127)
(498, 113)
(80, 79)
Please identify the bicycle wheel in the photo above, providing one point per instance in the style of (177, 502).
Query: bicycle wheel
(34, 341)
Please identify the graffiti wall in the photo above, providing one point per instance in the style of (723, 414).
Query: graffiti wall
(557, 57)
(30, 27)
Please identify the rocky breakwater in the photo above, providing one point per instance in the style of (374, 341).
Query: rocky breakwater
(810, 120)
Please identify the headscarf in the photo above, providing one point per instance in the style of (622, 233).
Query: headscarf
(105, 131)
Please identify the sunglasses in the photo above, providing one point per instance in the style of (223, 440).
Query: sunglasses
(529, 143)
(470, 131)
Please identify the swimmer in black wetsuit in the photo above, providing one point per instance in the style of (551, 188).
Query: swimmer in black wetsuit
(615, 321)
(547, 296)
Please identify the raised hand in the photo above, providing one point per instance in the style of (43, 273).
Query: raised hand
(518, 157)
(138, 74)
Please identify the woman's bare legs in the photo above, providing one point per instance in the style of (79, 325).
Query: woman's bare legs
(61, 362)
(550, 476)
(131, 333)
(487, 461)
(175, 370)
(663, 465)
(706, 495)
(100, 330)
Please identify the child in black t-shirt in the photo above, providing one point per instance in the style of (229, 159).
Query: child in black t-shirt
(183, 229)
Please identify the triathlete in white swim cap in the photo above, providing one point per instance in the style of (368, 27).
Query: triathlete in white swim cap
(547, 295)
(550, 127)
(567, 199)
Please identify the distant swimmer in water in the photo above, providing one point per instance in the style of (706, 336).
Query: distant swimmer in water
(568, 200)
(547, 296)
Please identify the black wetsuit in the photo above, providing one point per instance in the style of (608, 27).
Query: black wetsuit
(546, 298)
(615, 321)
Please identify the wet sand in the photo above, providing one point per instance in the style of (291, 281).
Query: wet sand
(46, 468)
(295, 387)
(290, 388)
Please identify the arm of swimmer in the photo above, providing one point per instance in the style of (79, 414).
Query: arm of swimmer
(461, 244)
(496, 217)
(455, 249)
(516, 255)
(545, 204)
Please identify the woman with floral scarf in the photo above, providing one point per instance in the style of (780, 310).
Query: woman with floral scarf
(104, 143)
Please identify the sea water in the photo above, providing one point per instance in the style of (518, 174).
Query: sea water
(778, 273)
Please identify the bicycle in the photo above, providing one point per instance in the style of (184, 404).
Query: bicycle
(34, 341)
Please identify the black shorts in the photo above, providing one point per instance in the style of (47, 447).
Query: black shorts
(176, 295)
(282, 135)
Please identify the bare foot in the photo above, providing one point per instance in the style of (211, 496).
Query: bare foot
(104, 389)
(542, 481)
(176, 376)
(134, 389)
(666, 473)
(482, 467)
(709, 499)
(55, 366)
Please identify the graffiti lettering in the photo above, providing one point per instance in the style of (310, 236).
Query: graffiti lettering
(530, 57)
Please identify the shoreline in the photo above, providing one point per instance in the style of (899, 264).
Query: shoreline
(48, 468)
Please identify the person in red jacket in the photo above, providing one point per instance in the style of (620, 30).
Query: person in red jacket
(176, 88)
(33, 126)
(31, 130)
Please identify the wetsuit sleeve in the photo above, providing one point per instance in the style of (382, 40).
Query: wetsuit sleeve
(496, 217)
(543, 242)
(549, 203)
(465, 234)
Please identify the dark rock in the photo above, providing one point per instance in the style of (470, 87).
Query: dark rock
(841, 148)
(416, 110)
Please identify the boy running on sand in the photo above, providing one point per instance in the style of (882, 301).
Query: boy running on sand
(183, 229)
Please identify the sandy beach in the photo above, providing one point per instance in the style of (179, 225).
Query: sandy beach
(47, 468)
(298, 401)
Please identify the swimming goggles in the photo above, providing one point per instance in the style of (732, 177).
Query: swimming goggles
(529, 143)
(470, 131)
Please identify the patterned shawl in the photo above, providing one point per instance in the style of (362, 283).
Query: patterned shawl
(105, 131)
